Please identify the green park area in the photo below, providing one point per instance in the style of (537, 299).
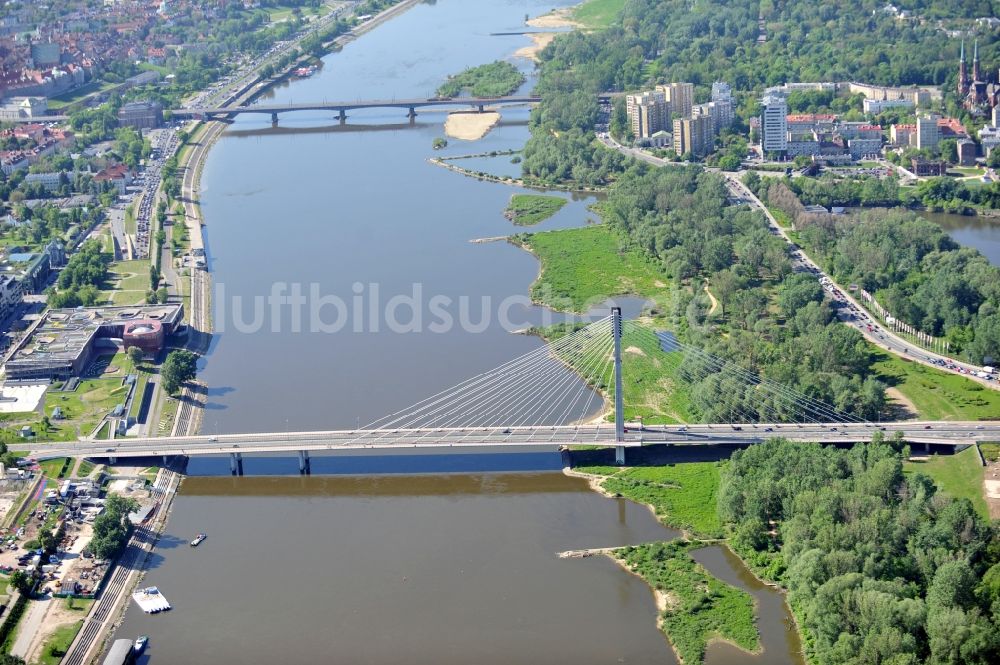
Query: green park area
(530, 209)
(936, 394)
(598, 14)
(58, 643)
(959, 476)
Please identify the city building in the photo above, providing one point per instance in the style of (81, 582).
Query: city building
(859, 130)
(64, 341)
(864, 147)
(10, 295)
(648, 113)
(900, 135)
(774, 124)
(51, 181)
(141, 115)
(928, 167)
(693, 135)
(118, 175)
(989, 138)
(722, 105)
(21, 108)
(917, 95)
(680, 96)
(927, 133)
(966, 152)
(876, 106)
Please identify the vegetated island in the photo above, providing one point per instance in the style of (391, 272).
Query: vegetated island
(530, 209)
(494, 79)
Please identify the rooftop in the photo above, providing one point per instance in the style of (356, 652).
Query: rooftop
(62, 335)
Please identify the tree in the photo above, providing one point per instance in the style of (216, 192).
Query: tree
(135, 355)
(21, 581)
(180, 366)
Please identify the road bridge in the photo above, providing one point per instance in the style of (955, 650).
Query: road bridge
(537, 400)
(342, 107)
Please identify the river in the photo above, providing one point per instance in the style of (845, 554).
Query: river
(390, 567)
(983, 233)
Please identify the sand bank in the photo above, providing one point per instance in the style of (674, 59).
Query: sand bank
(470, 126)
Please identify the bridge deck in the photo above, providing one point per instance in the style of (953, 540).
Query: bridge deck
(948, 433)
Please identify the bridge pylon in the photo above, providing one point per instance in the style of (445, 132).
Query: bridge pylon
(616, 332)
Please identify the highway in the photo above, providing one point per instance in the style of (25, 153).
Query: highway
(849, 311)
(948, 433)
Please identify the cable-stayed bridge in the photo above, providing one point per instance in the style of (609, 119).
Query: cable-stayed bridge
(538, 399)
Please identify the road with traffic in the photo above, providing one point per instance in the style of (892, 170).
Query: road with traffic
(848, 309)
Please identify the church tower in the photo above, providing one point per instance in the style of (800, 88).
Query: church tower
(976, 74)
(963, 74)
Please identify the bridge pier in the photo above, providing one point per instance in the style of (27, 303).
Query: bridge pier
(412, 114)
(616, 333)
(480, 108)
(274, 118)
(342, 116)
(304, 463)
(166, 459)
(112, 460)
(236, 464)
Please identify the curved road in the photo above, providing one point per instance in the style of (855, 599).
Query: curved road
(852, 313)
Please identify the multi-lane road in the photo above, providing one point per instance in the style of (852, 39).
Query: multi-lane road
(849, 310)
(949, 433)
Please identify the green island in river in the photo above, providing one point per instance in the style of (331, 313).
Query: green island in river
(530, 209)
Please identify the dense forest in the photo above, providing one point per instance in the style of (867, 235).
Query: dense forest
(912, 267)
(879, 567)
(680, 217)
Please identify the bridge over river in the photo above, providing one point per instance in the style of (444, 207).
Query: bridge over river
(342, 107)
(532, 401)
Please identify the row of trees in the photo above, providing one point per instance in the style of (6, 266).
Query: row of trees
(879, 567)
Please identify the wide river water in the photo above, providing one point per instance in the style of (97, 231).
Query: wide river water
(390, 567)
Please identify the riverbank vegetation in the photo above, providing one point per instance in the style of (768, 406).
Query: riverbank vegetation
(880, 567)
(495, 79)
(683, 496)
(695, 606)
(583, 267)
(530, 209)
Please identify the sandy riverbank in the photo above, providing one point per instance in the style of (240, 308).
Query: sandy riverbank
(470, 126)
(539, 40)
(557, 18)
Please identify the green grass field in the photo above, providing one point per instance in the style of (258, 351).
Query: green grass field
(57, 644)
(598, 14)
(530, 209)
(699, 607)
(683, 495)
(938, 395)
(959, 475)
(583, 267)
